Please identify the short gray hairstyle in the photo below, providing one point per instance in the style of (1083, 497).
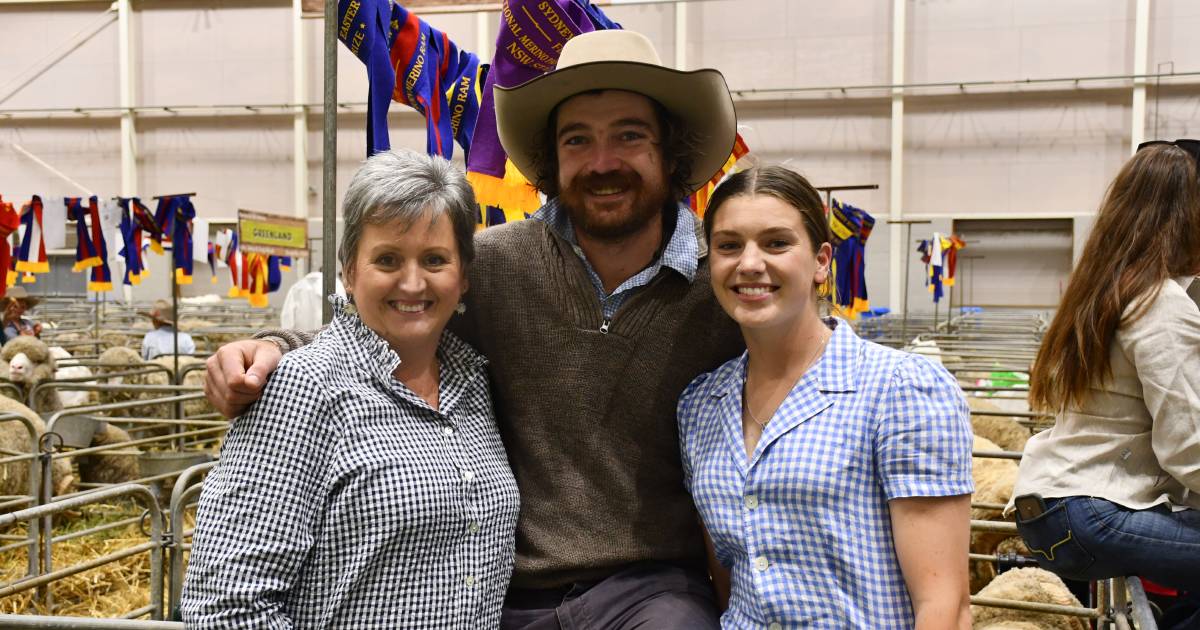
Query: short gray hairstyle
(405, 185)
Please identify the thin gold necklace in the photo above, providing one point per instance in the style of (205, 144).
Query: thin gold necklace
(746, 384)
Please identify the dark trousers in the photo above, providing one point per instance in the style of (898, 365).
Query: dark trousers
(644, 596)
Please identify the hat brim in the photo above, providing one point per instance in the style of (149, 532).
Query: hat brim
(699, 97)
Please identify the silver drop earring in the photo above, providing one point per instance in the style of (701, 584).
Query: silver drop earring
(461, 308)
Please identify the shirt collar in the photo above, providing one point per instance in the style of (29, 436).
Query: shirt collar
(833, 372)
(377, 357)
(683, 250)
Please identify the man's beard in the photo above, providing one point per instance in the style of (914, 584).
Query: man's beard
(648, 203)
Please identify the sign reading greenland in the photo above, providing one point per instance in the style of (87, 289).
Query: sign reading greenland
(272, 234)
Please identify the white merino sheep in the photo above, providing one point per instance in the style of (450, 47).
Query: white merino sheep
(71, 398)
(1026, 585)
(14, 438)
(1006, 624)
(1003, 430)
(28, 362)
(116, 466)
(994, 480)
(122, 359)
(194, 377)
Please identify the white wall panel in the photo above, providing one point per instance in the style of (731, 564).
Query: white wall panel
(1174, 114)
(765, 44)
(231, 163)
(87, 77)
(1000, 155)
(1018, 39)
(86, 151)
(222, 52)
(1173, 28)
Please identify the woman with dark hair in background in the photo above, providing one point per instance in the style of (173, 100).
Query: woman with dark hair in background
(1114, 487)
(833, 474)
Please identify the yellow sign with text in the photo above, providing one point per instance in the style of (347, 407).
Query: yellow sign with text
(273, 234)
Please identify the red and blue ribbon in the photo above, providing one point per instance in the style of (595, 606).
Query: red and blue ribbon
(436, 78)
(31, 254)
(850, 227)
(132, 228)
(91, 251)
(9, 222)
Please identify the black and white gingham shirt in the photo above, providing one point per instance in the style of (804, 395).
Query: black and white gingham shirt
(344, 501)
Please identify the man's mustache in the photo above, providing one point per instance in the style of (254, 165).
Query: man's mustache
(593, 181)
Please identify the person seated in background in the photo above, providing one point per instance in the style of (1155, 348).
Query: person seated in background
(161, 340)
(826, 468)
(369, 488)
(16, 302)
(1113, 488)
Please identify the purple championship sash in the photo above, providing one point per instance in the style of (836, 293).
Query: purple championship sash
(532, 32)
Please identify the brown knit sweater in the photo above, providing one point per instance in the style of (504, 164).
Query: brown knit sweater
(588, 417)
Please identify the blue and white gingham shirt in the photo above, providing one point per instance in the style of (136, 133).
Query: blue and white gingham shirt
(804, 524)
(343, 500)
(681, 252)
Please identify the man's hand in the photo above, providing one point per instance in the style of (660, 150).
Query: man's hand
(236, 374)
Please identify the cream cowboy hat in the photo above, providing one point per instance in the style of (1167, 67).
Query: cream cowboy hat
(619, 60)
(161, 312)
(19, 294)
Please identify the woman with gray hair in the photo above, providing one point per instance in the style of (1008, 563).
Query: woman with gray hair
(369, 487)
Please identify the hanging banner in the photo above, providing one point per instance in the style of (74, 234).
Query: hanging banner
(274, 234)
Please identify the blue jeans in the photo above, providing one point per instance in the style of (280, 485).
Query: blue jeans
(1085, 538)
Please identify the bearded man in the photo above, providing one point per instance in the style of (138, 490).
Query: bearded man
(594, 316)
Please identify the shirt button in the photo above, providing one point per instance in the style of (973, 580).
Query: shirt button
(468, 475)
(448, 431)
(470, 580)
(473, 528)
(761, 563)
(751, 501)
(775, 626)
